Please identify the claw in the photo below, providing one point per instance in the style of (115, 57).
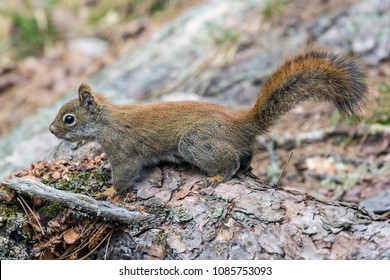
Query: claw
(213, 181)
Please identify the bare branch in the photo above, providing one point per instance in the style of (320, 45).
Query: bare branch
(102, 209)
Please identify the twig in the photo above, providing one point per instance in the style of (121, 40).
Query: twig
(284, 167)
(80, 202)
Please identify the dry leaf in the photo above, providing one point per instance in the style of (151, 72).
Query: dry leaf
(56, 175)
(70, 236)
(183, 192)
(6, 194)
(115, 200)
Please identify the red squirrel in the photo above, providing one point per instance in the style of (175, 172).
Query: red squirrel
(209, 136)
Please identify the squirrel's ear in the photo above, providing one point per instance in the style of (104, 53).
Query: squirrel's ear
(85, 87)
(86, 98)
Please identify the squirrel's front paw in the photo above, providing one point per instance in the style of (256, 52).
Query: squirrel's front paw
(213, 181)
(110, 192)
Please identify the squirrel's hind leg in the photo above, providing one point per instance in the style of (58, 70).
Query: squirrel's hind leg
(212, 154)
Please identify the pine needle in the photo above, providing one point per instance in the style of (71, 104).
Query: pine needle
(108, 243)
(284, 167)
(84, 243)
(24, 203)
(97, 246)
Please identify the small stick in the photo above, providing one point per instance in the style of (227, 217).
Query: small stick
(284, 167)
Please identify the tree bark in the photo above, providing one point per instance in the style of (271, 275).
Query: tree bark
(243, 218)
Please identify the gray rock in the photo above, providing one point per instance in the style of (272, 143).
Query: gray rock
(362, 29)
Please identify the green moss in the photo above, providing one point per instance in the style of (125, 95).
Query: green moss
(210, 235)
(217, 213)
(162, 238)
(244, 219)
(51, 210)
(215, 196)
(180, 215)
(86, 182)
(240, 216)
(7, 211)
(14, 220)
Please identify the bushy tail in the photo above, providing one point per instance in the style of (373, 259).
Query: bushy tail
(317, 75)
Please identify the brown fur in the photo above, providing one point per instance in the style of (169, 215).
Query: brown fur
(206, 135)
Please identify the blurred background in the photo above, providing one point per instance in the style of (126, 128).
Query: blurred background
(47, 47)
(218, 51)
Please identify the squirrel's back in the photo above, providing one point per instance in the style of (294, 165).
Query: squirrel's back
(317, 75)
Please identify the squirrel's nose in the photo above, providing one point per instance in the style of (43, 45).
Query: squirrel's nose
(51, 129)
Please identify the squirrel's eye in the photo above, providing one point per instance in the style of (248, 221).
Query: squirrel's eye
(69, 119)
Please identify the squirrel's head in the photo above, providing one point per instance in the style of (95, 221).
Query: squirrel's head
(76, 120)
